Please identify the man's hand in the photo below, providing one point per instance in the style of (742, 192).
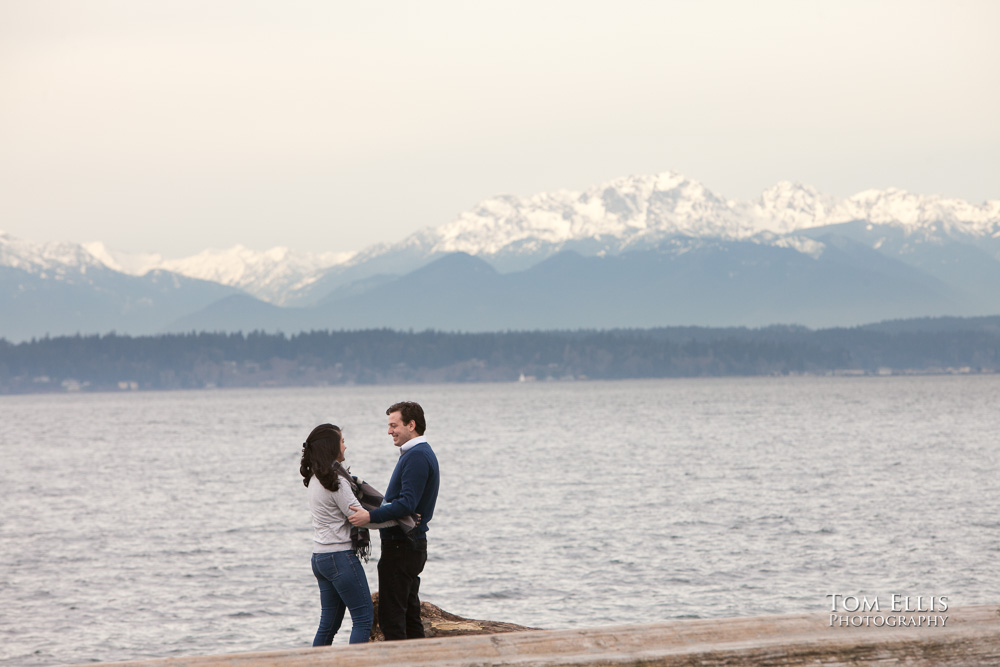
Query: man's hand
(360, 516)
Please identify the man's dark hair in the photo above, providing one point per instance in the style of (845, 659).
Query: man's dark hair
(410, 412)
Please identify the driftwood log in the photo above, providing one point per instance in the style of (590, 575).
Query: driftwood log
(439, 623)
(970, 638)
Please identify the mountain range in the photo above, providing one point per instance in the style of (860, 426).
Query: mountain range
(638, 251)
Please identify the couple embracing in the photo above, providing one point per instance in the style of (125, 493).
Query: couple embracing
(339, 529)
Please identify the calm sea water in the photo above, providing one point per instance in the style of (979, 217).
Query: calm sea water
(164, 524)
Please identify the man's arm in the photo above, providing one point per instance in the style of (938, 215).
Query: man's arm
(364, 519)
(413, 479)
(360, 516)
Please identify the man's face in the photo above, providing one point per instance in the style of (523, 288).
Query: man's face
(401, 433)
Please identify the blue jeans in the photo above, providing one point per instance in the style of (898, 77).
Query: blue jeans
(342, 585)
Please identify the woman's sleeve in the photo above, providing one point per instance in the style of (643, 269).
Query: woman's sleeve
(343, 497)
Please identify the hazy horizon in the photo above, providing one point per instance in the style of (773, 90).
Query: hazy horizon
(176, 127)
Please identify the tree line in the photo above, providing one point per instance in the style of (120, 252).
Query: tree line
(197, 360)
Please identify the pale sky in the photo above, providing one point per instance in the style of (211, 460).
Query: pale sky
(173, 126)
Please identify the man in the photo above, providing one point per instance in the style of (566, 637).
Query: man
(412, 489)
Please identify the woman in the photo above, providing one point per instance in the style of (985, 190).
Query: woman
(342, 581)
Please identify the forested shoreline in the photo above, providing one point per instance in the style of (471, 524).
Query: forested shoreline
(111, 362)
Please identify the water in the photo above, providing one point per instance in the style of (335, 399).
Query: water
(165, 524)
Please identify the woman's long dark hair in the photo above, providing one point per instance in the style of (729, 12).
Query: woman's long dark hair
(319, 452)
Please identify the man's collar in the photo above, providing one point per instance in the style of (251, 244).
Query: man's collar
(412, 442)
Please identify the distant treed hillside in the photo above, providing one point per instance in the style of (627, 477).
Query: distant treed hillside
(183, 361)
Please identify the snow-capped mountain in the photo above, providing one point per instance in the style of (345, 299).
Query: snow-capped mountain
(270, 275)
(625, 212)
(134, 264)
(60, 261)
(61, 288)
(514, 233)
(879, 251)
(636, 212)
(641, 210)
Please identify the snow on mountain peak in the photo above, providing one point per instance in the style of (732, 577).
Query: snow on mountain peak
(644, 208)
(627, 208)
(61, 259)
(269, 275)
(913, 212)
(787, 206)
(135, 264)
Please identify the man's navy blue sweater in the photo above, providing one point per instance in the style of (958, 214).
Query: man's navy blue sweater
(412, 489)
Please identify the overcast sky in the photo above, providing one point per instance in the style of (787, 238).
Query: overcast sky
(175, 126)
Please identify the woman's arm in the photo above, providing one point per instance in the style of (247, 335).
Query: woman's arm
(343, 498)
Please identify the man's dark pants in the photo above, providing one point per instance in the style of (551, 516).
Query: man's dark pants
(399, 570)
